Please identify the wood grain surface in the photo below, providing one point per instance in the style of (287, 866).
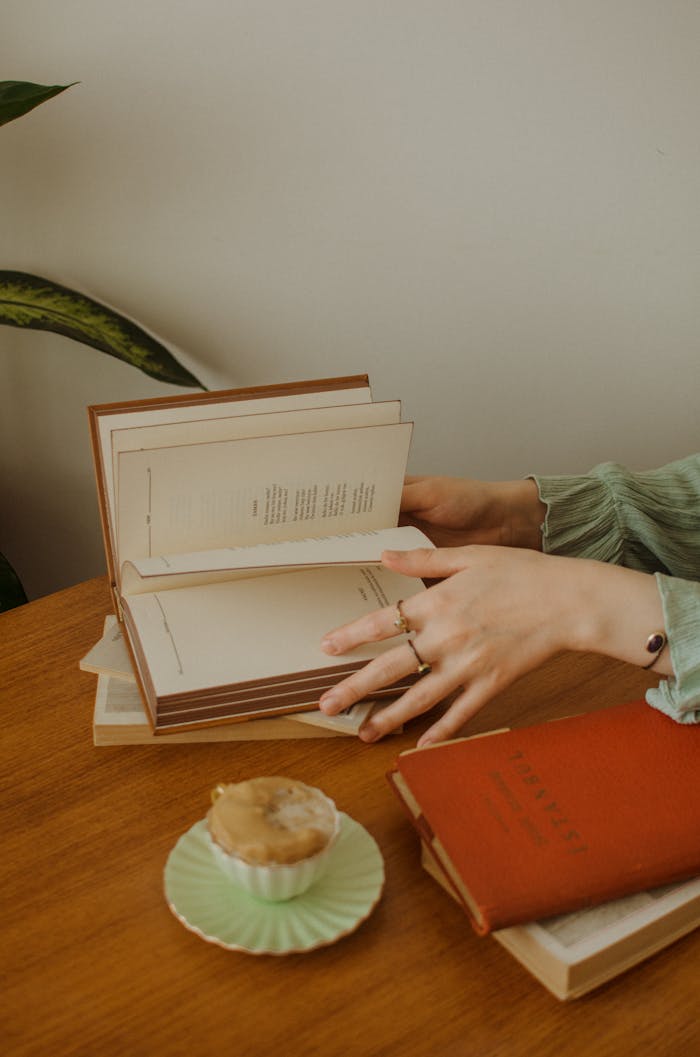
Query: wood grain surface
(94, 963)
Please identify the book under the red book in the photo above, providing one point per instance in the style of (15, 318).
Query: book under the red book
(566, 814)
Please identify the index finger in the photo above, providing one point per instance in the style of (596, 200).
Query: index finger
(374, 627)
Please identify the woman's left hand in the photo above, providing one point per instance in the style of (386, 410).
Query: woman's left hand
(498, 614)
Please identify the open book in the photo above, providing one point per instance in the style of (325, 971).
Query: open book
(241, 526)
(574, 953)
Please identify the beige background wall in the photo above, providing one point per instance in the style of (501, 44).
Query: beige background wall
(490, 205)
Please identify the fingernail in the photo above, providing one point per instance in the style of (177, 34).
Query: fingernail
(393, 554)
(328, 645)
(369, 733)
(425, 741)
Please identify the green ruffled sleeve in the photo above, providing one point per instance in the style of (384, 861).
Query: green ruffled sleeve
(680, 696)
(647, 521)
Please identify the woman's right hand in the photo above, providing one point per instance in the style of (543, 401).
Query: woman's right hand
(494, 614)
(455, 512)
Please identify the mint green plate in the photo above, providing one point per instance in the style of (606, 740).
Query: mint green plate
(208, 904)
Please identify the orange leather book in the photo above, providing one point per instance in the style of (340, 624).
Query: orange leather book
(551, 818)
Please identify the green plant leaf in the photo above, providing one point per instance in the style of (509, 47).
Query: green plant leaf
(11, 590)
(19, 97)
(40, 304)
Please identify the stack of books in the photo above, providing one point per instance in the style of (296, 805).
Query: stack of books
(119, 717)
(239, 527)
(574, 843)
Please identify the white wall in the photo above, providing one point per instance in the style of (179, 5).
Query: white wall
(490, 205)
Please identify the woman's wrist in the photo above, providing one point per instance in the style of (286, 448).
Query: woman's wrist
(615, 612)
(522, 513)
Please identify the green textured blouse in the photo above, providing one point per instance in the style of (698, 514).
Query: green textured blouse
(648, 521)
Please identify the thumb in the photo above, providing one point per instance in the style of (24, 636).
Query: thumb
(412, 495)
(431, 563)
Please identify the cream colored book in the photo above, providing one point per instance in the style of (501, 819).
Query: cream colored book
(241, 526)
(574, 953)
(119, 712)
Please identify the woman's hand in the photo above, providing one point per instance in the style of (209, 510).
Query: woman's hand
(499, 613)
(453, 511)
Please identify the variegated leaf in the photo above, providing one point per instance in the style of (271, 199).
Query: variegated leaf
(41, 304)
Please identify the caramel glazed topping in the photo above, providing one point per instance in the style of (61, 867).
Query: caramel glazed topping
(270, 820)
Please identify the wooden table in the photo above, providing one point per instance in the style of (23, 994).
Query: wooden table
(96, 964)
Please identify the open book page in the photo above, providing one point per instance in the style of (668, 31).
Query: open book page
(244, 427)
(347, 722)
(110, 656)
(189, 569)
(179, 412)
(260, 490)
(241, 426)
(635, 925)
(118, 703)
(257, 629)
(571, 937)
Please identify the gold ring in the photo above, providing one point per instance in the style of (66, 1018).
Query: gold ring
(423, 666)
(401, 623)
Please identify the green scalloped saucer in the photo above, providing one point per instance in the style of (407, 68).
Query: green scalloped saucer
(208, 904)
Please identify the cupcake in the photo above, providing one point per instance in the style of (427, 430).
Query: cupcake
(272, 836)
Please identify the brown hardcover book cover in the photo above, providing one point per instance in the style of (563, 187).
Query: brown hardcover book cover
(562, 815)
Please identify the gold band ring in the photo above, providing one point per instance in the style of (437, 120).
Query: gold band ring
(401, 623)
(423, 666)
